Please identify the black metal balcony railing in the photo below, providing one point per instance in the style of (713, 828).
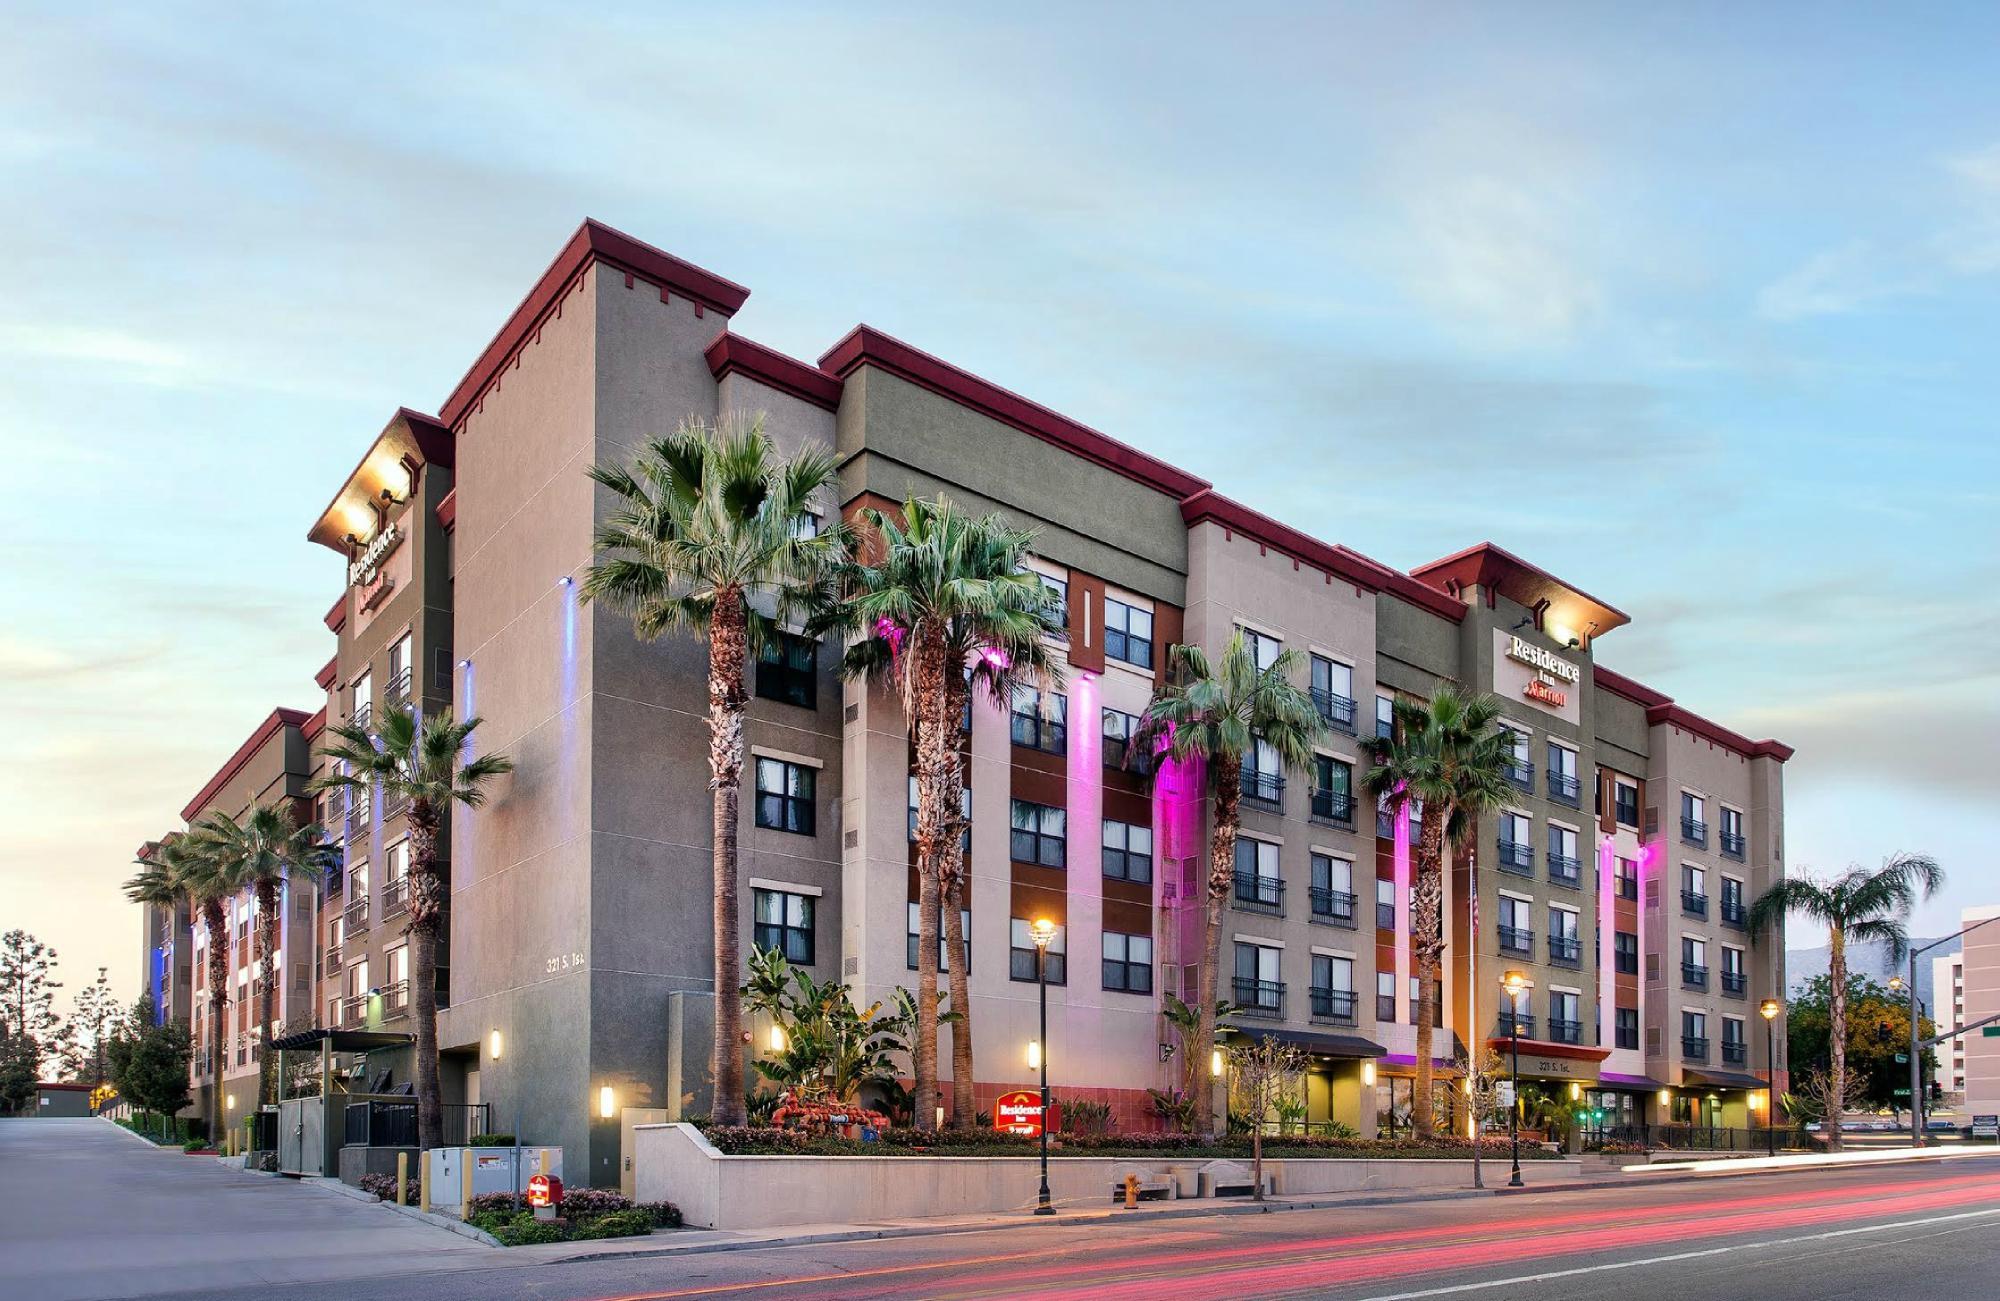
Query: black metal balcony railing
(396, 1000)
(1260, 997)
(1694, 904)
(395, 897)
(1565, 1032)
(1256, 891)
(1263, 787)
(1385, 916)
(1734, 983)
(1693, 976)
(397, 694)
(332, 959)
(1695, 832)
(1335, 906)
(1694, 1048)
(1734, 1052)
(355, 916)
(1732, 844)
(1334, 806)
(1563, 788)
(1565, 870)
(1517, 1022)
(1517, 858)
(1565, 950)
(1516, 939)
(353, 1011)
(1521, 773)
(1734, 914)
(1338, 711)
(1336, 1005)
(394, 805)
(364, 714)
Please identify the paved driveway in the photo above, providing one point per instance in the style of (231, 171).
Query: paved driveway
(90, 1210)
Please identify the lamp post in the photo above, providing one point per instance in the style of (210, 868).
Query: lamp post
(1769, 1009)
(1515, 983)
(1043, 931)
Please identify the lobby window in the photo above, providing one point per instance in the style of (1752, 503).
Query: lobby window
(1040, 834)
(1627, 1020)
(1625, 952)
(1040, 720)
(788, 670)
(1021, 953)
(1119, 730)
(1258, 884)
(1625, 802)
(1128, 963)
(1333, 988)
(1694, 815)
(1385, 997)
(1128, 633)
(1333, 789)
(1263, 647)
(1128, 851)
(785, 796)
(783, 921)
(1333, 692)
(1257, 989)
(1058, 590)
(1625, 872)
(913, 923)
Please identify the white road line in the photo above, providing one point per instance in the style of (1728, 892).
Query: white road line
(1551, 1275)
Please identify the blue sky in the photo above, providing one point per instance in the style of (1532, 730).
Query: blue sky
(1694, 306)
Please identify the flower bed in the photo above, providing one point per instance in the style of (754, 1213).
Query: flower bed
(587, 1213)
(758, 1141)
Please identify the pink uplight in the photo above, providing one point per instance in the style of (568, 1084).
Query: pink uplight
(996, 657)
(891, 633)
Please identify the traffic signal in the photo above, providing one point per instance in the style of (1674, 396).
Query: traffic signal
(1884, 1032)
(1935, 1092)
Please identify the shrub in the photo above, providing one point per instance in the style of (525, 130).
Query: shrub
(491, 1140)
(665, 1215)
(489, 1202)
(491, 1221)
(1084, 1116)
(749, 1141)
(195, 1145)
(384, 1187)
(590, 1203)
(267, 1162)
(628, 1223)
(526, 1230)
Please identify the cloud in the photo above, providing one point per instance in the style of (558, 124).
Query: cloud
(24, 661)
(1831, 283)
(1973, 246)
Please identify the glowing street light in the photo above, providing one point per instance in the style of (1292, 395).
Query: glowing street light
(1043, 931)
(1769, 1009)
(1515, 983)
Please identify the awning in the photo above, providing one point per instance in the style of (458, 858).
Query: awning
(1722, 1079)
(1613, 1080)
(342, 1041)
(1315, 1042)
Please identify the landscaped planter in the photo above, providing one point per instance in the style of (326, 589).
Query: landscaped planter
(677, 1163)
(458, 1174)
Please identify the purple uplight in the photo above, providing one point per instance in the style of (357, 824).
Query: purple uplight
(999, 659)
(890, 632)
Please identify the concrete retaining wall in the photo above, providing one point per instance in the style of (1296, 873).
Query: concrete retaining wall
(675, 1163)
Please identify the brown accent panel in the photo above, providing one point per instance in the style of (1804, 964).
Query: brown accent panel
(1039, 784)
(1127, 806)
(1086, 621)
(1039, 892)
(1607, 803)
(1169, 627)
(1120, 785)
(1124, 916)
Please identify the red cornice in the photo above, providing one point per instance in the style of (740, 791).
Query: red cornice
(1500, 569)
(1620, 685)
(336, 618)
(278, 720)
(1662, 711)
(447, 511)
(312, 727)
(435, 445)
(732, 353)
(325, 676)
(1210, 505)
(593, 242)
(866, 346)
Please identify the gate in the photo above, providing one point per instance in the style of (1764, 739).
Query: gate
(301, 1137)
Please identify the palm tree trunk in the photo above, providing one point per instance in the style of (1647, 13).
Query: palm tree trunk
(964, 1106)
(1427, 944)
(1227, 773)
(1836, 970)
(936, 758)
(1473, 1054)
(218, 1009)
(267, 946)
(728, 653)
(427, 903)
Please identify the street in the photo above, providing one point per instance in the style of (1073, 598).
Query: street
(93, 1213)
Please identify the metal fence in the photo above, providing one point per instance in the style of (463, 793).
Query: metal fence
(1700, 1138)
(392, 1122)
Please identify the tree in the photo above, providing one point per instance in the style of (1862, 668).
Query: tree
(1450, 755)
(1878, 1031)
(1264, 1076)
(1861, 905)
(95, 1016)
(424, 762)
(149, 1062)
(262, 853)
(180, 868)
(1482, 1075)
(1216, 715)
(28, 991)
(703, 536)
(20, 1070)
(945, 607)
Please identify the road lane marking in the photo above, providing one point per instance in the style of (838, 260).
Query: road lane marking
(1549, 1276)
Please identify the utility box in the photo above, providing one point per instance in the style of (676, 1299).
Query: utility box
(459, 1174)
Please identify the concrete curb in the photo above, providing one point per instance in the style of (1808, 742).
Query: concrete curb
(133, 1134)
(446, 1222)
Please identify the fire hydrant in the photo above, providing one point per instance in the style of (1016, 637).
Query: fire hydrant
(1131, 1191)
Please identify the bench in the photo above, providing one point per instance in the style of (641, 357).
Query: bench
(1152, 1188)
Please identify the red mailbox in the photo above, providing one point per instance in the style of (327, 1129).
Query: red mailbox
(545, 1190)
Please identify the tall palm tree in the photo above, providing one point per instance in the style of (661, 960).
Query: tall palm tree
(262, 852)
(1450, 754)
(946, 607)
(1861, 905)
(183, 869)
(702, 539)
(422, 761)
(1216, 713)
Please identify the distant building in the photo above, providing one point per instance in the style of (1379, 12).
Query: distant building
(1975, 994)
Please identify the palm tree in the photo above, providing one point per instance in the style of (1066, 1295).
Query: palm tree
(1862, 905)
(703, 536)
(1450, 754)
(183, 869)
(421, 761)
(263, 852)
(947, 607)
(1216, 714)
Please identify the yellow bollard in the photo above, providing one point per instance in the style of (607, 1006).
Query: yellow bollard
(424, 1186)
(402, 1174)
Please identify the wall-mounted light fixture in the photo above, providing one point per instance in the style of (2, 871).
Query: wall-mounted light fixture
(607, 1102)
(494, 1044)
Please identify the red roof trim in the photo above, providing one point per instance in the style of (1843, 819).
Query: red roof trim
(336, 618)
(1661, 710)
(278, 720)
(592, 242)
(867, 346)
(1209, 504)
(1487, 563)
(447, 511)
(1620, 685)
(734, 353)
(325, 676)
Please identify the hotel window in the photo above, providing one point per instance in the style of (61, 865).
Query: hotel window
(1564, 869)
(1517, 925)
(1516, 843)
(1333, 789)
(1257, 880)
(1627, 1019)
(1385, 904)
(1694, 890)
(805, 525)
(1563, 787)
(1333, 692)
(361, 699)
(1128, 634)
(1733, 911)
(1694, 963)
(1333, 988)
(788, 670)
(1040, 835)
(1385, 997)
(1128, 851)
(1263, 647)
(1694, 1036)
(785, 796)
(1040, 721)
(1119, 730)
(1520, 768)
(1565, 1027)
(1625, 801)
(1021, 953)
(1058, 589)
(1128, 963)
(1385, 715)
(1625, 952)
(1565, 940)
(1734, 1050)
(1735, 980)
(397, 694)
(783, 921)
(913, 922)
(1694, 812)
(964, 811)
(1262, 777)
(1732, 832)
(1332, 890)
(1626, 872)
(1257, 989)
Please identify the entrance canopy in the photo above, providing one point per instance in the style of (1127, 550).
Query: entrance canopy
(1317, 1043)
(341, 1041)
(1723, 1080)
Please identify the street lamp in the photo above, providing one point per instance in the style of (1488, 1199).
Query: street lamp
(1043, 931)
(1769, 1009)
(1516, 984)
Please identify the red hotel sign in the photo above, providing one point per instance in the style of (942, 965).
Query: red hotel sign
(1542, 691)
(1019, 1112)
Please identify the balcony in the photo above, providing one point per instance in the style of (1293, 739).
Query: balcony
(1385, 916)
(394, 805)
(1515, 939)
(1735, 983)
(1694, 1048)
(1734, 1052)
(364, 714)
(1565, 1032)
(1517, 858)
(395, 898)
(397, 694)
(1521, 773)
(1695, 832)
(355, 916)
(1260, 893)
(1266, 788)
(1693, 976)
(1335, 1005)
(1262, 998)
(1565, 951)
(1335, 907)
(1694, 904)
(353, 1012)
(1732, 844)
(1338, 711)
(1734, 914)
(1565, 870)
(1336, 807)
(396, 1000)
(1513, 1023)
(332, 960)
(1563, 788)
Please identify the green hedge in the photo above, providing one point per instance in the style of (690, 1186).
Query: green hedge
(756, 1141)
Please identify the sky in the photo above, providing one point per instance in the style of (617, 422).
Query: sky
(1693, 305)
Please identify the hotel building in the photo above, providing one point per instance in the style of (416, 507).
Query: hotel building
(1618, 877)
(1969, 1066)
